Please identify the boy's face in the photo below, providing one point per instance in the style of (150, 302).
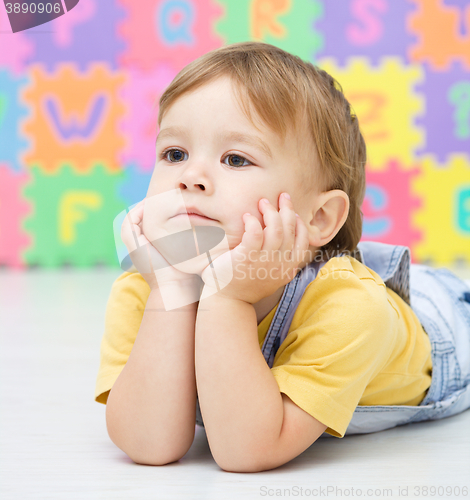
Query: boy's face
(224, 177)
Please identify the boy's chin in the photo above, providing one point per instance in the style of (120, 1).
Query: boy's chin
(193, 266)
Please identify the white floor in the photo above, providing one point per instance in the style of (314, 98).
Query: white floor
(54, 444)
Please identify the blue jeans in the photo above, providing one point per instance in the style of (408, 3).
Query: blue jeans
(440, 300)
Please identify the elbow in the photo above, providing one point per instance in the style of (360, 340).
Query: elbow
(142, 450)
(243, 466)
(242, 462)
(260, 456)
(144, 453)
(249, 465)
(148, 459)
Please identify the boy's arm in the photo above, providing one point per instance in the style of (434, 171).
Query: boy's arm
(249, 424)
(151, 409)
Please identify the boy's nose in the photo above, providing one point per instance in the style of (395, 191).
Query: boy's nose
(183, 185)
(194, 177)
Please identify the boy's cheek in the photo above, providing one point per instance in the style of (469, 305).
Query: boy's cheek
(159, 210)
(148, 224)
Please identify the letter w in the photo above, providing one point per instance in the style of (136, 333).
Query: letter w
(73, 128)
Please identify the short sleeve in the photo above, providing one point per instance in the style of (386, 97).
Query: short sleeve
(124, 313)
(341, 336)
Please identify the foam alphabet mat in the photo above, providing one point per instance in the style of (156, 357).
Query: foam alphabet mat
(79, 105)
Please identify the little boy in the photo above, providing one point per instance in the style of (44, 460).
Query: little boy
(298, 330)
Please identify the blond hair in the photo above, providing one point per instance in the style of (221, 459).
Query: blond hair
(286, 91)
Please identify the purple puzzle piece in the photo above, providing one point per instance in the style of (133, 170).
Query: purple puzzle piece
(369, 28)
(84, 34)
(447, 96)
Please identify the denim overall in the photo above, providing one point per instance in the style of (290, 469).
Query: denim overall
(440, 300)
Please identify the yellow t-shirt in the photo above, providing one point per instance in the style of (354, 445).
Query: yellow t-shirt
(352, 341)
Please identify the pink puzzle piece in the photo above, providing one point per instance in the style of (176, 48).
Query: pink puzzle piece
(393, 204)
(176, 32)
(140, 95)
(13, 209)
(15, 48)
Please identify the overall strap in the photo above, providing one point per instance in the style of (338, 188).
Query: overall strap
(286, 308)
(390, 262)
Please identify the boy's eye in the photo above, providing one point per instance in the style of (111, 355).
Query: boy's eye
(178, 156)
(169, 151)
(238, 158)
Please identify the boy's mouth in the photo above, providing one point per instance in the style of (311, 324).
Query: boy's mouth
(194, 216)
(194, 213)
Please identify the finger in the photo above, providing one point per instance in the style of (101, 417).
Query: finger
(289, 223)
(301, 243)
(136, 214)
(149, 262)
(273, 232)
(253, 236)
(131, 232)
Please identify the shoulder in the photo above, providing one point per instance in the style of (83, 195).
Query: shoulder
(346, 288)
(346, 265)
(130, 279)
(344, 275)
(124, 312)
(129, 286)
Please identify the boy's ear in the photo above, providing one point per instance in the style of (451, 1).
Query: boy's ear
(328, 216)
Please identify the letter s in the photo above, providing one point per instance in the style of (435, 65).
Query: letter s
(372, 28)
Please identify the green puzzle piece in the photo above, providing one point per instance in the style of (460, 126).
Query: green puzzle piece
(3, 108)
(72, 219)
(291, 30)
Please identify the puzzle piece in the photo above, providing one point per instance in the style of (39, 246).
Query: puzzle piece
(388, 204)
(386, 106)
(461, 6)
(12, 111)
(73, 217)
(141, 94)
(15, 50)
(168, 31)
(447, 116)
(134, 186)
(445, 214)
(282, 23)
(85, 34)
(73, 117)
(13, 209)
(371, 28)
(438, 29)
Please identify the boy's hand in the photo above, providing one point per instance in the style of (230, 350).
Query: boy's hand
(264, 260)
(147, 259)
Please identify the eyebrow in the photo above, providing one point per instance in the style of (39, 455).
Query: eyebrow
(234, 136)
